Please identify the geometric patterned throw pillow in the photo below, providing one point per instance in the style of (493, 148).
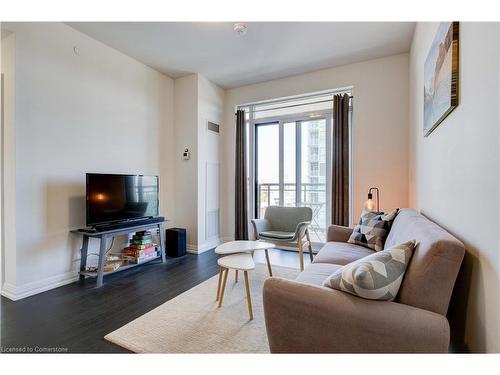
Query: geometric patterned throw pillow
(377, 276)
(372, 229)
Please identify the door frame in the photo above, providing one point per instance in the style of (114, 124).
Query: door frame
(280, 121)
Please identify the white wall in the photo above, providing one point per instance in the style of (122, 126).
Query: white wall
(197, 100)
(186, 171)
(380, 127)
(210, 108)
(8, 160)
(2, 36)
(100, 111)
(454, 172)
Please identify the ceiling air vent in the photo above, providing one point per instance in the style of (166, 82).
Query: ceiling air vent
(213, 127)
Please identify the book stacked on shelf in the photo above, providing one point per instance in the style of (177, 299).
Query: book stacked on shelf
(141, 247)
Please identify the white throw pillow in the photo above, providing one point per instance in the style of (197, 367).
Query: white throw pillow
(377, 276)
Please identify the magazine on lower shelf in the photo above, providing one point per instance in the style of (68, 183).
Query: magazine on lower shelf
(141, 258)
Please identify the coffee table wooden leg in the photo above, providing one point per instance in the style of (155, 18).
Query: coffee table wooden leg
(224, 279)
(236, 276)
(268, 263)
(221, 271)
(249, 300)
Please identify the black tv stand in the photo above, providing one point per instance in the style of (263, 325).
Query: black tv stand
(103, 235)
(128, 223)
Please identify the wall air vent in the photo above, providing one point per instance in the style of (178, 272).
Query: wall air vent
(213, 127)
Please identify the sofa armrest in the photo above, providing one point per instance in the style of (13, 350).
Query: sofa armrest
(303, 318)
(259, 225)
(338, 233)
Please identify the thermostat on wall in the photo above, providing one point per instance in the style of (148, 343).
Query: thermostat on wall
(185, 154)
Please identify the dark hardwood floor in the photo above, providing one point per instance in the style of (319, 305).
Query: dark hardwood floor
(76, 317)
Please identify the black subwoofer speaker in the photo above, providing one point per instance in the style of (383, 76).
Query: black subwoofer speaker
(175, 242)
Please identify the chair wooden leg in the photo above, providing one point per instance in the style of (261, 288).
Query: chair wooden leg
(301, 255)
(249, 299)
(236, 276)
(309, 245)
(224, 279)
(268, 263)
(219, 283)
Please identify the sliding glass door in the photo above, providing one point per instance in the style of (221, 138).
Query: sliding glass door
(313, 182)
(291, 161)
(267, 167)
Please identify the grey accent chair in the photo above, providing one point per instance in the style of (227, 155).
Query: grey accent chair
(285, 226)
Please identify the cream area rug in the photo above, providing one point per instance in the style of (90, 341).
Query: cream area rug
(192, 322)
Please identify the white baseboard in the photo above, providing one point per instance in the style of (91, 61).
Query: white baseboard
(15, 293)
(193, 249)
(9, 291)
(201, 248)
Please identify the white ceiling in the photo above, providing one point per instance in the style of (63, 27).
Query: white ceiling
(269, 50)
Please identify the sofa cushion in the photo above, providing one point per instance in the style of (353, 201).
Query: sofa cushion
(341, 253)
(277, 235)
(316, 273)
(372, 229)
(377, 276)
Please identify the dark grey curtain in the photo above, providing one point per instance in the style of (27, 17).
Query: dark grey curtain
(340, 162)
(241, 209)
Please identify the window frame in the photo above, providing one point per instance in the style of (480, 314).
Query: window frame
(300, 116)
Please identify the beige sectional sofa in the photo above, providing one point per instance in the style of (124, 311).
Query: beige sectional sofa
(302, 316)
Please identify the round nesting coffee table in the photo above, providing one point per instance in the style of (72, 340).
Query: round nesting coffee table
(234, 247)
(239, 262)
(239, 257)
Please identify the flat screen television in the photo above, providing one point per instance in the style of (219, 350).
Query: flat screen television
(115, 198)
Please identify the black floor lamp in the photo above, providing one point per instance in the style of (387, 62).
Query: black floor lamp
(370, 204)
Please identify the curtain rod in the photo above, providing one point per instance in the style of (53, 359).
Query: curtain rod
(293, 105)
(310, 95)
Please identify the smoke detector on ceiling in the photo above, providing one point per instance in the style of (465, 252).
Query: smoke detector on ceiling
(240, 28)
